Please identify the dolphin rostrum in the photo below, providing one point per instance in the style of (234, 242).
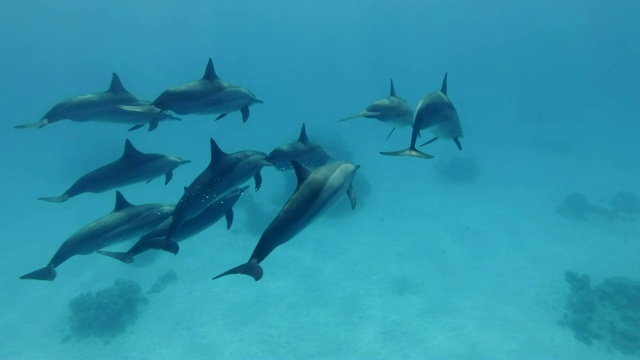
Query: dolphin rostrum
(318, 190)
(392, 110)
(224, 173)
(304, 151)
(436, 113)
(154, 239)
(112, 106)
(132, 167)
(124, 222)
(209, 95)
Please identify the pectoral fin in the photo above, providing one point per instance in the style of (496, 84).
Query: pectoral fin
(245, 114)
(221, 116)
(136, 127)
(352, 196)
(229, 217)
(258, 179)
(168, 176)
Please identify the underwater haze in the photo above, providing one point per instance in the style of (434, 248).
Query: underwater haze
(522, 245)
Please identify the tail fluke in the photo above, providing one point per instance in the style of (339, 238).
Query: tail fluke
(37, 124)
(251, 268)
(125, 257)
(408, 152)
(55, 199)
(47, 273)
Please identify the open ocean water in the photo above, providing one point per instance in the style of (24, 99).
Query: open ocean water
(463, 256)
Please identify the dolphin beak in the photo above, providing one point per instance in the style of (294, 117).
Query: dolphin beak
(185, 162)
(258, 101)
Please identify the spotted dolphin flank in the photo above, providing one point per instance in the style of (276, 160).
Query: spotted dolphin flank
(318, 190)
(436, 113)
(208, 95)
(132, 167)
(304, 151)
(154, 239)
(124, 222)
(224, 173)
(111, 106)
(392, 110)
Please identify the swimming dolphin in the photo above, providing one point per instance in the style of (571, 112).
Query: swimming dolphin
(132, 167)
(318, 190)
(154, 239)
(436, 113)
(392, 110)
(124, 222)
(224, 173)
(209, 95)
(108, 106)
(304, 151)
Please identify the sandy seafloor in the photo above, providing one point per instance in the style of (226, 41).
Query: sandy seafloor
(422, 268)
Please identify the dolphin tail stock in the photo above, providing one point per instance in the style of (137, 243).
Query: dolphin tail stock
(411, 151)
(47, 273)
(36, 125)
(251, 268)
(124, 256)
(55, 199)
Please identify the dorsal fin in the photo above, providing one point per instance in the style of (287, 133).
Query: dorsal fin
(392, 91)
(116, 85)
(303, 135)
(444, 84)
(121, 202)
(302, 172)
(129, 150)
(209, 72)
(216, 153)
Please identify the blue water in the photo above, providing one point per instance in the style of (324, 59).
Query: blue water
(423, 267)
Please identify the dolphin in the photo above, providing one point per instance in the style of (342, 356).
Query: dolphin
(392, 110)
(154, 239)
(302, 150)
(224, 173)
(112, 106)
(124, 222)
(132, 167)
(436, 113)
(318, 190)
(209, 95)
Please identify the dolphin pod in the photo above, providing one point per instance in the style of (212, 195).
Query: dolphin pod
(124, 222)
(222, 175)
(212, 194)
(436, 113)
(392, 110)
(132, 167)
(154, 239)
(111, 105)
(317, 191)
(303, 150)
(208, 95)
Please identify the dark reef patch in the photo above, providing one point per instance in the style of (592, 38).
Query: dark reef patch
(609, 312)
(108, 312)
(623, 206)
